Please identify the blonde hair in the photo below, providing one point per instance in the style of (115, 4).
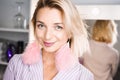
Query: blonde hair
(104, 31)
(72, 21)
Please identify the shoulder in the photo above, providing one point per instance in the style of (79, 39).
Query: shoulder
(112, 52)
(84, 73)
(102, 46)
(16, 58)
(79, 72)
(15, 61)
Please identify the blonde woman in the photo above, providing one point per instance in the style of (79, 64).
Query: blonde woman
(104, 59)
(60, 39)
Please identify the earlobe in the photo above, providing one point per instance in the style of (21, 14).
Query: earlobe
(70, 35)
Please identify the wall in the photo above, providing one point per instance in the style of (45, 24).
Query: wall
(93, 2)
(8, 9)
(117, 45)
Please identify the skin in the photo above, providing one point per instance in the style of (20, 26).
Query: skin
(51, 33)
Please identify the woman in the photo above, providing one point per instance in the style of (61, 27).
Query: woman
(104, 59)
(53, 55)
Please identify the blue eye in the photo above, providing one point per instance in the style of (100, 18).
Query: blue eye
(58, 28)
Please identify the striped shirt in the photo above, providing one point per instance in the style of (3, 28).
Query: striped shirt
(16, 70)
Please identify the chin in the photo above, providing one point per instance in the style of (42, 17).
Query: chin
(50, 50)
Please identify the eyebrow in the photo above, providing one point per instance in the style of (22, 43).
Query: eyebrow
(58, 23)
(40, 22)
(44, 23)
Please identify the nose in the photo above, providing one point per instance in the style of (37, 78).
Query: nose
(48, 34)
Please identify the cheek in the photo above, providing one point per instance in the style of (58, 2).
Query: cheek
(38, 34)
(63, 37)
(39, 37)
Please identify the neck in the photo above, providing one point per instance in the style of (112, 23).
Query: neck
(48, 58)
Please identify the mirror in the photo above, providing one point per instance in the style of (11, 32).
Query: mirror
(91, 13)
(90, 23)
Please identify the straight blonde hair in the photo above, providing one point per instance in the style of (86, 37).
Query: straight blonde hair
(72, 21)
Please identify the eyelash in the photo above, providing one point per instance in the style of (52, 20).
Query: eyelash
(58, 27)
(40, 26)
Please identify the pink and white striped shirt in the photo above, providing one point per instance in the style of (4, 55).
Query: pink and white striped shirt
(68, 67)
(16, 70)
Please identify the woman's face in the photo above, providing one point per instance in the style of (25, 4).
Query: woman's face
(50, 30)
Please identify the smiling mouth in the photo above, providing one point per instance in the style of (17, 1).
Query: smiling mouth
(48, 44)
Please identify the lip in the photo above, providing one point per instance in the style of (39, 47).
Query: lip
(48, 44)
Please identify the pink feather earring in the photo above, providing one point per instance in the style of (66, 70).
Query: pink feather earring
(31, 54)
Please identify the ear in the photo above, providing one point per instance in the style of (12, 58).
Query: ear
(69, 36)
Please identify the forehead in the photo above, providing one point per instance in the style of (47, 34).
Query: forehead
(47, 13)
